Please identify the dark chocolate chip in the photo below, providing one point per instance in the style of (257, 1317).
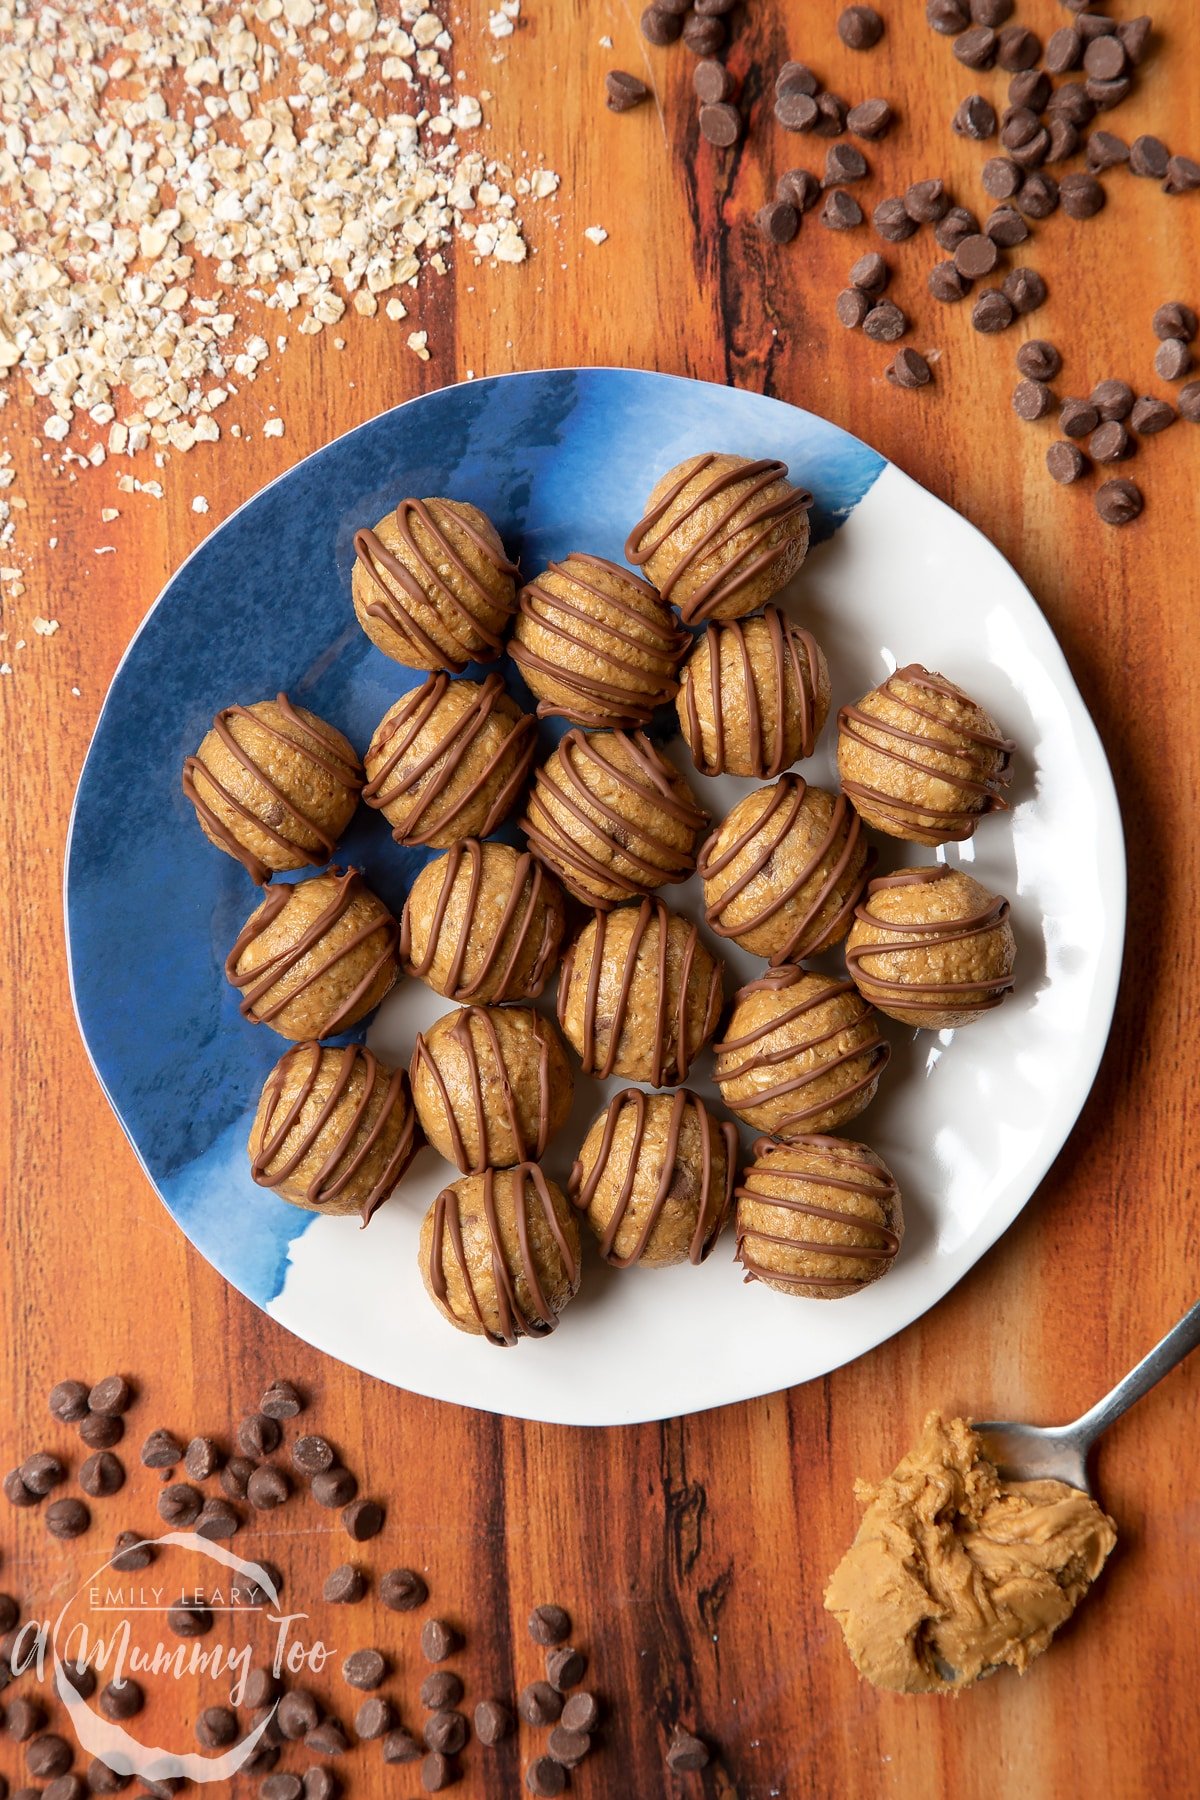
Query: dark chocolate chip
(298, 1713)
(48, 1756)
(1062, 140)
(1172, 359)
(1006, 227)
(121, 1700)
(1112, 399)
(216, 1727)
(957, 225)
(832, 112)
(704, 35)
(364, 1669)
(374, 1718)
(1032, 400)
(1134, 34)
(189, 1619)
(260, 1688)
(282, 1786)
(1105, 58)
(844, 162)
(885, 322)
(1064, 50)
(161, 1450)
(440, 1689)
(1175, 320)
(112, 1396)
(565, 1666)
(218, 1520)
(334, 1487)
(927, 202)
(235, 1477)
(100, 1780)
(101, 1475)
(797, 78)
(799, 187)
(581, 1712)
(1148, 156)
(25, 1719)
(545, 1778)
(870, 119)
(946, 284)
(852, 307)
(68, 1518)
(1119, 501)
(993, 311)
(327, 1740)
(402, 1590)
(860, 27)
(976, 47)
(438, 1640)
(1018, 48)
(1150, 416)
(622, 92)
(1183, 175)
(687, 1754)
(1081, 195)
(312, 1455)
(870, 273)
(892, 221)
(778, 220)
(1025, 288)
(1106, 151)
(975, 118)
(179, 1505)
(720, 124)
(539, 1703)
(1001, 177)
(1076, 418)
(1073, 102)
(267, 1488)
(1066, 462)
(446, 1730)
(976, 256)
(69, 1401)
(401, 1747)
(321, 1784)
(42, 1473)
(711, 82)
(1030, 88)
(202, 1458)
(909, 369)
(948, 16)
(1039, 196)
(345, 1585)
(1110, 443)
(258, 1435)
(549, 1625)
(363, 1519)
(841, 211)
(100, 1431)
(131, 1552)
(493, 1722)
(437, 1772)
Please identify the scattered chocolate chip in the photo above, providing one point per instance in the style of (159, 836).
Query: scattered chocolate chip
(131, 1552)
(1148, 156)
(447, 1731)
(885, 322)
(1112, 399)
(545, 1778)
(179, 1505)
(1064, 50)
(69, 1401)
(1119, 501)
(438, 1640)
(235, 1477)
(852, 307)
(1172, 359)
(363, 1519)
(1018, 48)
(1039, 196)
(345, 1585)
(946, 284)
(976, 47)
(1134, 33)
(844, 162)
(258, 1435)
(581, 1712)
(1081, 195)
(81, 1677)
(704, 36)
(622, 92)
(1074, 102)
(282, 1399)
(10, 1612)
(686, 1754)
(321, 1784)
(992, 12)
(976, 256)
(100, 1431)
(267, 1488)
(860, 27)
(328, 1739)
(298, 1713)
(1006, 227)
(100, 1780)
(1032, 400)
(565, 1667)
(189, 1619)
(720, 124)
(1188, 400)
(67, 1518)
(374, 1718)
(282, 1786)
(841, 211)
(799, 187)
(442, 1688)
(364, 1669)
(216, 1727)
(1105, 58)
(797, 78)
(1105, 151)
(161, 1450)
(42, 1473)
(401, 1747)
(870, 119)
(1076, 418)
(711, 82)
(1030, 88)
(539, 1703)
(909, 369)
(870, 273)
(568, 1747)
(1025, 288)
(709, 8)
(1150, 416)
(1034, 152)
(101, 1475)
(1001, 177)
(25, 1719)
(121, 1700)
(1066, 462)
(778, 220)
(202, 1458)
(48, 1756)
(975, 118)
(1062, 140)
(1183, 175)
(927, 202)
(832, 113)
(402, 1590)
(948, 16)
(65, 1787)
(218, 1520)
(334, 1487)
(549, 1625)
(957, 225)
(1175, 320)
(493, 1723)
(312, 1455)
(892, 221)
(1039, 360)
(260, 1688)
(993, 311)
(111, 1396)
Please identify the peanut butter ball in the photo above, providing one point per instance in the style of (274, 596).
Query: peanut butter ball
(721, 535)
(932, 947)
(639, 995)
(315, 957)
(449, 760)
(273, 786)
(432, 586)
(920, 760)
(819, 1218)
(801, 1053)
(753, 696)
(334, 1131)
(499, 1254)
(482, 923)
(612, 817)
(655, 1179)
(783, 873)
(491, 1085)
(596, 644)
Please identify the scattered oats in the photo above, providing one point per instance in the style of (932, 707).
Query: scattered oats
(5, 668)
(75, 691)
(596, 234)
(108, 514)
(500, 25)
(417, 342)
(56, 428)
(106, 550)
(340, 343)
(606, 43)
(396, 309)
(45, 627)
(273, 428)
(199, 504)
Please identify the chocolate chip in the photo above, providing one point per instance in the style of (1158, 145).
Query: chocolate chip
(992, 12)
(686, 1754)
(581, 1713)
(852, 307)
(493, 1723)
(1006, 227)
(334, 1487)
(1025, 288)
(42, 1472)
(345, 1585)
(258, 1435)
(111, 1396)
(1018, 48)
(1064, 50)
(885, 322)
(948, 16)
(993, 311)
(48, 1756)
(1112, 399)
(437, 1772)
(189, 1619)
(860, 27)
(841, 211)
(545, 1778)
(957, 225)
(892, 221)
(1106, 151)
(832, 113)
(975, 118)
(298, 1713)
(870, 273)
(1107, 94)
(1175, 320)
(1082, 196)
(202, 1458)
(976, 47)
(565, 1666)
(927, 202)
(797, 78)
(100, 1431)
(120, 1700)
(778, 220)
(131, 1552)
(539, 1703)
(446, 1730)
(1030, 88)
(327, 1740)
(710, 8)
(1034, 152)
(100, 1780)
(218, 1520)
(216, 1727)
(1062, 140)
(1032, 400)
(1172, 359)
(312, 1455)
(67, 1518)
(69, 1401)
(1119, 501)
(402, 1590)
(65, 1787)
(568, 1747)
(622, 92)
(549, 1625)
(374, 1718)
(1134, 33)
(870, 119)
(267, 1488)
(946, 284)
(799, 187)
(1105, 58)
(1039, 196)
(1001, 177)
(363, 1519)
(438, 1640)
(400, 1747)
(844, 162)
(364, 1669)
(720, 124)
(1073, 102)
(909, 369)
(321, 1784)
(179, 1504)
(1076, 418)
(1148, 156)
(704, 36)
(711, 82)
(1183, 175)
(161, 1450)
(283, 1786)
(81, 1677)
(235, 1477)
(101, 1475)
(975, 257)
(1066, 462)
(25, 1718)
(1150, 416)
(260, 1688)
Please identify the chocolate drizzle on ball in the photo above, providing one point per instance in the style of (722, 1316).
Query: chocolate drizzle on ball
(644, 777)
(792, 648)
(514, 1320)
(784, 810)
(666, 1069)
(428, 778)
(466, 623)
(710, 1217)
(740, 514)
(922, 934)
(639, 652)
(747, 1044)
(498, 1086)
(531, 887)
(343, 1159)
(851, 1170)
(255, 985)
(986, 758)
(308, 742)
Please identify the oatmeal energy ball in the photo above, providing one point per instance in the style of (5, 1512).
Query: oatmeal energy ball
(314, 957)
(721, 535)
(482, 923)
(655, 1178)
(491, 1085)
(920, 760)
(499, 1254)
(273, 786)
(819, 1218)
(932, 947)
(753, 697)
(432, 586)
(334, 1130)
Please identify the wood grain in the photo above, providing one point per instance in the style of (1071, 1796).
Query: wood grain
(693, 1554)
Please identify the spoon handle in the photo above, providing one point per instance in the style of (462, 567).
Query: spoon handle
(1179, 1342)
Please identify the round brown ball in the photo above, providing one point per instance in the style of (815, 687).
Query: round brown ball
(801, 1053)
(491, 1085)
(334, 1131)
(932, 947)
(920, 760)
(315, 957)
(654, 1179)
(596, 644)
(448, 761)
(273, 786)
(432, 587)
(612, 817)
(499, 1254)
(639, 994)
(783, 873)
(483, 923)
(721, 535)
(819, 1218)
(753, 696)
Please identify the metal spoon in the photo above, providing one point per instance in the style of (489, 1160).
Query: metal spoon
(1059, 1452)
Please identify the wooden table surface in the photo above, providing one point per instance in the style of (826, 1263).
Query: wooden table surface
(693, 1554)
